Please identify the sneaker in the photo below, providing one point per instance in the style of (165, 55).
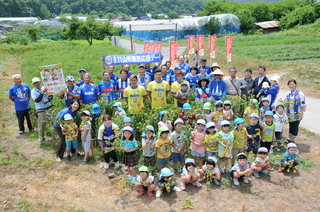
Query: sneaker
(216, 182)
(264, 172)
(125, 168)
(236, 182)
(176, 172)
(106, 165)
(220, 170)
(116, 165)
(271, 151)
(201, 180)
(176, 189)
(141, 192)
(150, 194)
(21, 132)
(280, 170)
(69, 157)
(197, 183)
(78, 155)
(158, 194)
(226, 170)
(130, 177)
(245, 180)
(134, 179)
(183, 186)
(256, 174)
(58, 159)
(84, 162)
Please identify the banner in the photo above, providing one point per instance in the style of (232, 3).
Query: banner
(201, 45)
(191, 44)
(159, 47)
(212, 44)
(53, 78)
(132, 58)
(153, 47)
(173, 53)
(134, 47)
(146, 47)
(229, 48)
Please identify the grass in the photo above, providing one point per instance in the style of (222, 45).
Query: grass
(24, 205)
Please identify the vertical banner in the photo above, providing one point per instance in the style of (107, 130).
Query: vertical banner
(159, 47)
(173, 53)
(229, 48)
(191, 44)
(134, 47)
(53, 78)
(212, 44)
(146, 47)
(153, 47)
(201, 45)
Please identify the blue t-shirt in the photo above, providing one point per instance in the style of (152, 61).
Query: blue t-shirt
(61, 114)
(185, 68)
(254, 130)
(68, 98)
(107, 134)
(217, 89)
(20, 95)
(193, 81)
(114, 77)
(226, 139)
(89, 93)
(208, 69)
(120, 86)
(129, 145)
(106, 90)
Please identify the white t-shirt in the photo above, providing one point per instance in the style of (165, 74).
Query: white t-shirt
(214, 171)
(150, 179)
(260, 161)
(279, 120)
(237, 167)
(121, 113)
(209, 117)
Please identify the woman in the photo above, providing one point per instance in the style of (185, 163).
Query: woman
(73, 109)
(296, 105)
(246, 83)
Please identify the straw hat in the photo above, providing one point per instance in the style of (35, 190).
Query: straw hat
(217, 72)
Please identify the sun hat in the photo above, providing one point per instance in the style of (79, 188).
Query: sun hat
(278, 104)
(86, 112)
(215, 65)
(141, 66)
(227, 102)
(290, 145)
(35, 79)
(189, 160)
(218, 102)
(83, 70)
(217, 72)
(241, 154)
(67, 117)
(178, 121)
(265, 85)
(264, 99)
(118, 105)
(95, 109)
(184, 83)
(128, 129)
(149, 127)
(69, 78)
(225, 123)
(203, 79)
(255, 115)
(210, 124)
(127, 119)
(268, 113)
(213, 158)
(238, 121)
(207, 106)
(163, 129)
(263, 149)
(275, 78)
(165, 172)
(255, 102)
(201, 121)
(186, 106)
(162, 113)
(143, 169)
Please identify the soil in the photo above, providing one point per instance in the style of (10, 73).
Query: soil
(69, 186)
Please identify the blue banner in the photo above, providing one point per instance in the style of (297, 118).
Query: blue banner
(132, 58)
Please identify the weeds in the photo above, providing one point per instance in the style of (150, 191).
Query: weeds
(24, 205)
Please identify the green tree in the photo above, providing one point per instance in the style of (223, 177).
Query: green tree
(173, 15)
(299, 16)
(213, 25)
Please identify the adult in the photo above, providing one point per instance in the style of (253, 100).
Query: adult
(214, 67)
(42, 103)
(203, 73)
(296, 106)
(257, 83)
(150, 70)
(176, 86)
(73, 109)
(168, 64)
(19, 94)
(143, 78)
(166, 76)
(88, 91)
(203, 62)
(246, 83)
(70, 92)
(217, 87)
(196, 58)
(233, 83)
(135, 95)
(183, 66)
(158, 90)
(111, 69)
(193, 78)
(122, 83)
(127, 68)
(202, 92)
(81, 73)
(106, 88)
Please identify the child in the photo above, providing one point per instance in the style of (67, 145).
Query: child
(280, 118)
(271, 92)
(145, 182)
(207, 110)
(197, 147)
(261, 163)
(148, 147)
(85, 129)
(106, 137)
(178, 146)
(129, 145)
(186, 115)
(227, 110)
(209, 140)
(269, 133)
(164, 122)
(240, 139)
(225, 145)
(254, 130)
(184, 93)
(166, 182)
(119, 110)
(127, 121)
(211, 166)
(218, 116)
(190, 174)
(264, 89)
(264, 108)
(70, 130)
(163, 146)
(253, 108)
(241, 170)
(288, 161)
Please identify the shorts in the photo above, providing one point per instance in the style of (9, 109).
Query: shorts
(262, 168)
(223, 154)
(163, 162)
(73, 143)
(232, 173)
(197, 154)
(278, 135)
(215, 154)
(177, 157)
(236, 151)
(131, 159)
(149, 161)
(253, 146)
(86, 145)
(266, 144)
(294, 128)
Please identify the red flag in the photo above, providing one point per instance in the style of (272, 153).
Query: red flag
(212, 44)
(201, 45)
(229, 48)
(159, 47)
(134, 46)
(146, 47)
(191, 44)
(173, 53)
(153, 47)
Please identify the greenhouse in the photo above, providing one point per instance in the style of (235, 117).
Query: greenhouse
(165, 30)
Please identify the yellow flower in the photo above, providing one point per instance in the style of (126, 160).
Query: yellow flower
(119, 184)
(119, 192)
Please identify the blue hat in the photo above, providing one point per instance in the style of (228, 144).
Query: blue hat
(118, 105)
(189, 160)
(128, 129)
(95, 109)
(186, 106)
(67, 117)
(69, 78)
(141, 66)
(268, 113)
(225, 122)
(254, 115)
(265, 99)
(83, 70)
(127, 119)
(165, 172)
(162, 113)
(213, 158)
(238, 121)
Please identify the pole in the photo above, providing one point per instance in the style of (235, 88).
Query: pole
(114, 38)
(176, 32)
(131, 37)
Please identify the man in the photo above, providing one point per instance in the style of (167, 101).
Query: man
(88, 91)
(143, 78)
(106, 88)
(71, 92)
(149, 70)
(203, 62)
(42, 103)
(176, 86)
(81, 73)
(183, 66)
(158, 90)
(19, 94)
(166, 76)
(233, 83)
(127, 68)
(122, 83)
(257, 83)
(111, 69)
(217, 87)
(135, 95)
(246, 83)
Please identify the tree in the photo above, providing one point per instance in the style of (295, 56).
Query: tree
(213, 25)
(299, 16)
(173, 15)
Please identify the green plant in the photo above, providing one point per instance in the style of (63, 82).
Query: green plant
(24, 205)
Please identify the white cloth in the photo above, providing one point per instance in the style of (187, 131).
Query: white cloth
(260, 161)
(279, 120)
(215, 170)
(150, 179)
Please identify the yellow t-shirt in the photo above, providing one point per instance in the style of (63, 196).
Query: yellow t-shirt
(249, 111)
(164, 146)
(175, 88)
(135, 98)
(158, 92)
(208, 139)
(72, 128)
(239, 138)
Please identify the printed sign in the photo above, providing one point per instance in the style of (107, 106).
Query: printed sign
(53, 78)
